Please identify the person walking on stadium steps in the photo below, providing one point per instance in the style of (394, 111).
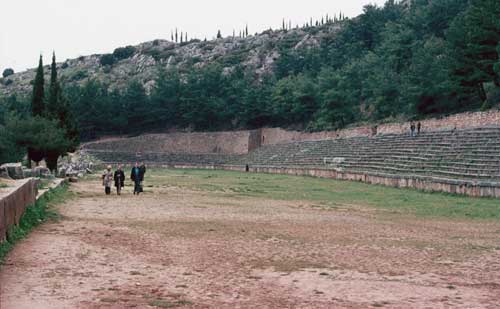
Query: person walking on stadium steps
(119, 179)
(419, 128)
(412, 129)
(107, 180)
(137, 178)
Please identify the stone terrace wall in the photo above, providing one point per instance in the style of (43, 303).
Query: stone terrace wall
(241, 142)
(271, 136)
(458, 121)
(14, 203)
(236, 142)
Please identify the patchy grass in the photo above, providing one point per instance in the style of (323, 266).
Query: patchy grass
(34, 215)
(331, 193)
(159, 303)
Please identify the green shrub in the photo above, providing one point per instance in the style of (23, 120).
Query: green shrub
(123, 53)
(79, 75)
(107, 59)
(7, 72)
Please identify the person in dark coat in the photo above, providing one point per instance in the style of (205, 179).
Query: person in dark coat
(136, 177)
(119, 179)
(419, 128)
(143, 170)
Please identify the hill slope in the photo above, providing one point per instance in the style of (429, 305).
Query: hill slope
(257, 52)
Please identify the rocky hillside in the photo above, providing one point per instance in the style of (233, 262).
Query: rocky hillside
(256, 52)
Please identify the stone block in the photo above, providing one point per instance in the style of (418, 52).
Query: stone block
(15, 170)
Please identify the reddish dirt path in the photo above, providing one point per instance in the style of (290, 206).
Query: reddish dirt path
(180, 248)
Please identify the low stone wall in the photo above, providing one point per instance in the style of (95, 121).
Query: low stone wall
(458, 121)
(14, 203)
(271, 136)
(236, 142)
(241, 142)
(428, 184)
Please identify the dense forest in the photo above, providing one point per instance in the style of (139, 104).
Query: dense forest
(405, 60)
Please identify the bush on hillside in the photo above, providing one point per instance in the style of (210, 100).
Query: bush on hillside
(107, 59)
(7, 72)
(124, 52)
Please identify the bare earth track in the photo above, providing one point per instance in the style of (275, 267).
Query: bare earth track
(181, 247)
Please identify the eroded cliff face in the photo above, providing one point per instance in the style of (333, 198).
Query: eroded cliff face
(258, 53)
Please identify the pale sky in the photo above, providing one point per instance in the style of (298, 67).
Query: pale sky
(82, 27)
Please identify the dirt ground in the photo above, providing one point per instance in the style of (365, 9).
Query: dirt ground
(176, 247)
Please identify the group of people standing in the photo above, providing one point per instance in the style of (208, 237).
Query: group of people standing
(118, 178)
(415, 130)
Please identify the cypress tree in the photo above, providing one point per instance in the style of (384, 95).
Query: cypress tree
(172, 35)
(52, 103)
(58, 110)
(182, 36)
(37, 109)
(176, 36)
(219, 35)
(37, 101)
(246, 30)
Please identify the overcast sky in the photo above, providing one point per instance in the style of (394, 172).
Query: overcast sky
(81, 27)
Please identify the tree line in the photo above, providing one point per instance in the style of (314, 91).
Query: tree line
(399, 61)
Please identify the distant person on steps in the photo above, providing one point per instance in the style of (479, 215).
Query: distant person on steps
(419, 128)
(119, 179)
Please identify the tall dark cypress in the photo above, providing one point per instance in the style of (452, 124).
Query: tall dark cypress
(53, 108)
(37, 101)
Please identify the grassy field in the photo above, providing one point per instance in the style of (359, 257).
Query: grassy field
(329, 193)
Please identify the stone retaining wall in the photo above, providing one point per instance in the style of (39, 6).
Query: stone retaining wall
(13, 204)
(241, 142)
(271, 136)
(235, 142)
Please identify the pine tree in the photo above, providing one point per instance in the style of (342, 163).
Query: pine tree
(496, 67)
(219, 35)
(37, 101)
(474, 36)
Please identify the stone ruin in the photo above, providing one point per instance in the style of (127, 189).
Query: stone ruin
(72, 166)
